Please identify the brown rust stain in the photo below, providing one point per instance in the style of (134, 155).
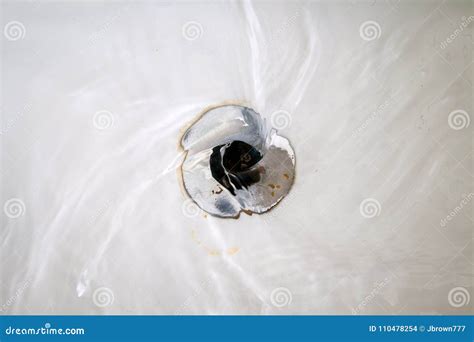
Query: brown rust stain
(217, 192)
(179, 174)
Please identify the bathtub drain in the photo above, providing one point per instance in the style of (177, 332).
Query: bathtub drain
(235, 162)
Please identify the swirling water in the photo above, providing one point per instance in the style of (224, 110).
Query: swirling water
(95, 99)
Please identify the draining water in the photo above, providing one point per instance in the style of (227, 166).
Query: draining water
(235, 162)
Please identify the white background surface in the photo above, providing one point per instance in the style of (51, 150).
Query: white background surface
(104, 226)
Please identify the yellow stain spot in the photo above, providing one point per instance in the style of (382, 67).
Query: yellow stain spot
(233, 250)
(195, 238)
(212, 251)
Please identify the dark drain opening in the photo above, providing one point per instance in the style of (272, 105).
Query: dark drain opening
(231, 165)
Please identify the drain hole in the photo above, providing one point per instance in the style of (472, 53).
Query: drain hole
(240, 156)
(236, 162)
(231, 165)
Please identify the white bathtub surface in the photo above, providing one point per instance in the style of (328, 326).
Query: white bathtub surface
(375, 96)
